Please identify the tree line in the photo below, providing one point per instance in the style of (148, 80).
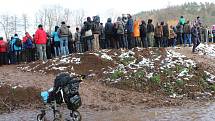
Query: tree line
(189, 10)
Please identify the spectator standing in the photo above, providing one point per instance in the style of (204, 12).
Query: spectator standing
(63, 33)
(150, 33)
(28, 47)
(130, 30)
(3, 52)
(187, 34)
(17, 47)
(40, 41)
(108, 33)
(143, 31)
(56, 40)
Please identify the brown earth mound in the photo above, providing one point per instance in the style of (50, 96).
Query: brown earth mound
(12, 98)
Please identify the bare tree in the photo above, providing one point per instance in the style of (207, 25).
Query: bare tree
(5, 25)
(25, 22)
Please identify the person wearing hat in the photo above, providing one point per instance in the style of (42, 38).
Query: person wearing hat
(40, 41)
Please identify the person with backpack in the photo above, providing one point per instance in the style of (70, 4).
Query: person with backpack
(56, 40)
(150, 33)
(17, 48)
(165, 27)
(108, 33)
(120, 32)
(143, 31)
(172, 37)
(64, 34)
(95, 30)
(28, 47)
(158, 35)
(41, 40)
(3, 52)
(187, 34)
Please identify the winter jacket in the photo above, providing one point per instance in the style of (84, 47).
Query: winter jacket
(119, 27)
(182, 21)
(95, 28)
(88, 26)
(130, 25)
(40, 37)
(77, 36)
(15, 48)
(166, 31)
(27, 44)
(55, 36)
(172, 34)
(194, 32)
(187, 29)
(3, 46)
(109, 27)
(158, 31)
(63, 31)
(136, 28)
(150, 28)
(179, 29)
(143, 30)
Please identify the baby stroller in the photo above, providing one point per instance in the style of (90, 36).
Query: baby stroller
(65, 91)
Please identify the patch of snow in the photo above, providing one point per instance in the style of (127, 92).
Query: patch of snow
(211, 77)
(183, 73)
(59, 68)
(150, 75)
(105, 56)
(127, 54)
(206, 49)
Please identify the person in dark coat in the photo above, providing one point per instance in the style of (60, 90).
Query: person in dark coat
(165, 34)
(108, 33)
(143, 31)
(195, 37)
(130, 30)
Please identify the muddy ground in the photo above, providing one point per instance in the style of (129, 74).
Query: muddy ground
(104, 103)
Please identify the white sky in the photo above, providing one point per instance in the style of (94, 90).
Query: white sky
(91, 7)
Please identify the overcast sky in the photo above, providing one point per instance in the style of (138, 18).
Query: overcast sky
(91, 7)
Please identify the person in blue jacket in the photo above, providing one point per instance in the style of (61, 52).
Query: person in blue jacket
(17, 48)
(56, 40)
(130, 30)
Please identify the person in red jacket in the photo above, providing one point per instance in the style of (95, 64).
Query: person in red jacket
(3, 52)
(28, 46)
(40, 41)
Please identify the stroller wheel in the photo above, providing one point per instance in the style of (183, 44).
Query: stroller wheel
(40, 117)
(75, 115)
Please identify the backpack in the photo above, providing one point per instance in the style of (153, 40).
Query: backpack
(18, 42)
(29, 43)
(120, 28)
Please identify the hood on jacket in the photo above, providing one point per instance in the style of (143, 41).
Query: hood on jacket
(109, 20)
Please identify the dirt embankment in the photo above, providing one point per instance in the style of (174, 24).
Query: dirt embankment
(119, 78)
(207, 62)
